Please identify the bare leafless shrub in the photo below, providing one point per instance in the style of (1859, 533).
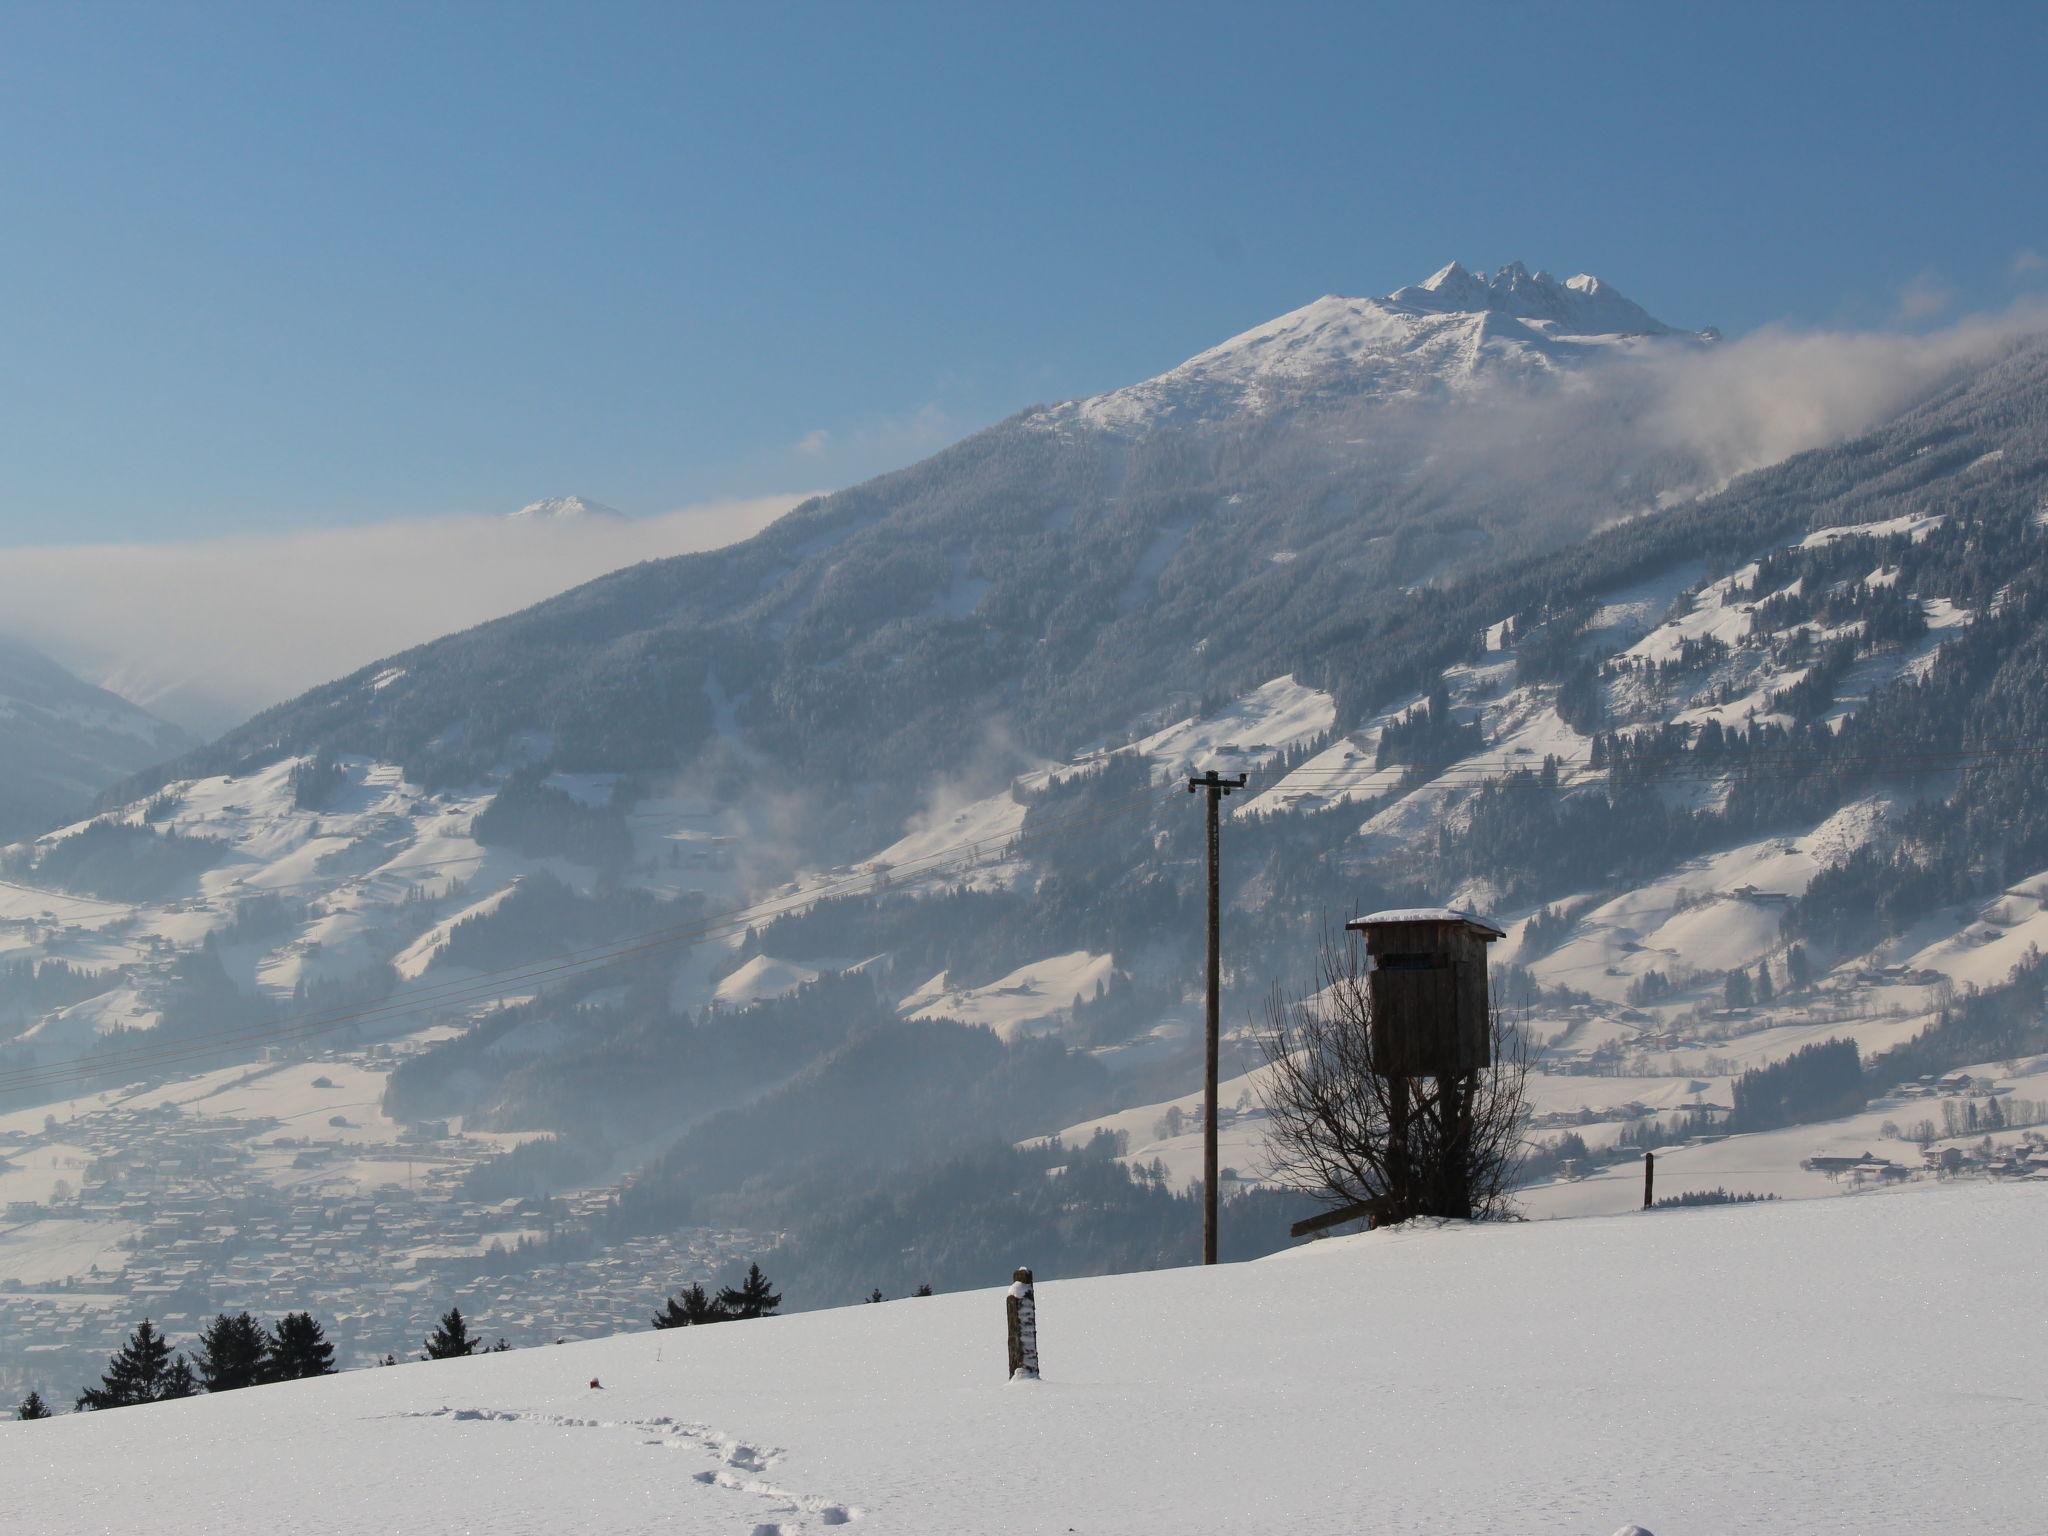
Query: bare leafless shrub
(1346, 1130)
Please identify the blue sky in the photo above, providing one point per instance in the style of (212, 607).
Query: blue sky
(271, 267)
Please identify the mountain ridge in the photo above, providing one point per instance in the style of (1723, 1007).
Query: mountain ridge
(1440, 336)
(1039, 576)
(65, 740)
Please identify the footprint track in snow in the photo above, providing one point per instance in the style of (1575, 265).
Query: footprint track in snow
(740, 1467)
(741, 1464)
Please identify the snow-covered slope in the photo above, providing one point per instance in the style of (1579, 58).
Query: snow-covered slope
(63, 740)
(1864, 1366)
(1443, 334)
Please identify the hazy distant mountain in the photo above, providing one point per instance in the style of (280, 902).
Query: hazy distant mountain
(62, 741)
(565, 509)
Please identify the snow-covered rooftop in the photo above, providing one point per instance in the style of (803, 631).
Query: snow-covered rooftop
(1425, 915)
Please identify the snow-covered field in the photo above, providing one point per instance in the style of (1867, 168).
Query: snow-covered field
(1865, 1366)
(1028, 999)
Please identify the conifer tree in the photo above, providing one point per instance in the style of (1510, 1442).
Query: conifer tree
(752, 1297)
(923, 1290)
(689, 1307)
(298, 1348)
(452, 1340)
(179, 1381)
(876, 1295)
(33, 1407)
(135, 1374)
(231, 1353)
(1764, 989)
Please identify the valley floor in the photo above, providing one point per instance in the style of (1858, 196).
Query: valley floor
(1870, 1364)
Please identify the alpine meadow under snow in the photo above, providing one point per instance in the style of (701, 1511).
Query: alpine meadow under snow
(835, 899)
(1868, 1365)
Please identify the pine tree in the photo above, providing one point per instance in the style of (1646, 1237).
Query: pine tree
(876, 1295)
(298, 1348)
(231, 1353)
(136, 1373)
(689, 1307)
(1764, 989)
(923, 1290)
(452, 1340)
(1797, 972)
(751, 1298)
(33, 1407)
(179, 1381)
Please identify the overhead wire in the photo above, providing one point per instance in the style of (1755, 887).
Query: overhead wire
(489, 985)
(468, 991)
(493, 984)
(1753, 765)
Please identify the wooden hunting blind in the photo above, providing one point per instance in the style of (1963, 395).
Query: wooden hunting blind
(1427, 987)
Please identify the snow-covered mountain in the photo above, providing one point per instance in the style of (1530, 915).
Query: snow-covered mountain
(857, 846)
(1449, 333)
(62, 740)
(1350, 437)
(565, 509)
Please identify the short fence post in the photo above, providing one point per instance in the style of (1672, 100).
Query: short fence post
(1649, 1178)
(1022, 1307)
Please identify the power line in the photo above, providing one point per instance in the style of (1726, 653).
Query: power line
(488, 985)
(491, 984)
(1739, 765)
(1504, 772)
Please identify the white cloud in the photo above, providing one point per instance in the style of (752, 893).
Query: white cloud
(206, 632)
(1748, 403)
(880, 443)
(2027, 262)
(1924, 297)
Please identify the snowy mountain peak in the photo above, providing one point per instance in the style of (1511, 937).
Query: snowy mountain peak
(1433, 337)
(1456, 287)
(564, 509)
(1578, 306)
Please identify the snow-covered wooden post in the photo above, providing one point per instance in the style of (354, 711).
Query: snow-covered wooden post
(1022, 1307)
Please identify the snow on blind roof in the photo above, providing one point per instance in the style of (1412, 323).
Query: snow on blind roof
(1424, 915)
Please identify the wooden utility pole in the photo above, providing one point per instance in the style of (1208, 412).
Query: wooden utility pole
(1649, 1179)
(1218, 787)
